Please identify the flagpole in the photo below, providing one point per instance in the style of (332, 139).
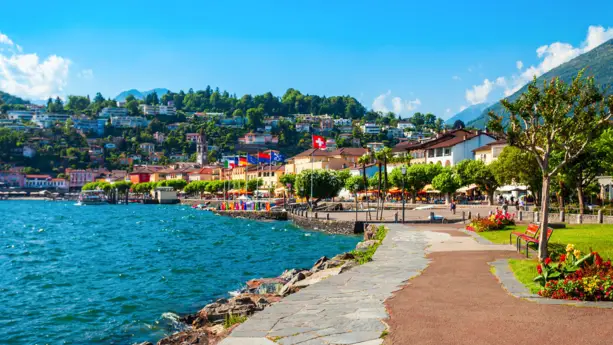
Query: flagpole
(272, 181)
(312, 173)
(257, 181)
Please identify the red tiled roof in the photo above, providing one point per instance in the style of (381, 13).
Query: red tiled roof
(38, 176)
(487, 146)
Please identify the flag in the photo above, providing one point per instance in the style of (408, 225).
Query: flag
(319, 142)
(252, 159)
(229, 164)
(277, 157)
(242, 161)
(235, 161)
(263, 157)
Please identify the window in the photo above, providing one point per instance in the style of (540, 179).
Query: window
(447, 151)
(431, 153)
(439, 152)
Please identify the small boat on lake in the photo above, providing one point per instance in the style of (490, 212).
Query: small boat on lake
(92, 197)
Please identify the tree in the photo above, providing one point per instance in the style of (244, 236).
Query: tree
(253, 184)
(418, 176)
(238, 113)
(355, 184)
(458, 124)
(98, 98)
(477, 172)
(254, 118)
(446, 182)
(558, 117)
(77, 104)
(514, 166)
(326, 184)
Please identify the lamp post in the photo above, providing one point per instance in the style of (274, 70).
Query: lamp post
(404, 175)
(355, 188)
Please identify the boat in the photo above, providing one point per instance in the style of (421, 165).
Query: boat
(92, 197)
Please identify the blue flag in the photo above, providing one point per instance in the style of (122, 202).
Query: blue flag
(252, 160)
(277, 157)
(235, 160)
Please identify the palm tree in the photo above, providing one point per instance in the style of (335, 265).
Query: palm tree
(365, 159)
(383, 157)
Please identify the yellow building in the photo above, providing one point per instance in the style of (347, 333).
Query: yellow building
(339, 159)
(490, 152)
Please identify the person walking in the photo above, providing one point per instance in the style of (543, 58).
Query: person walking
(452, 206)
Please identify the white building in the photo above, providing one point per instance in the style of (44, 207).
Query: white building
(405, 125)
(375, 147)
(342, 122)
(113, 112)
(29, 151)
(23, 115)
(37, 181)
(46, 120)
(153, 110)
(394, 133)
(371, 128)
(88, 125)
(167, 110)
(456, 146)
(129, 121)
(303, 127)
(147, 147)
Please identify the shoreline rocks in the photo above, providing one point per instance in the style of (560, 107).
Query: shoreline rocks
(208, 325)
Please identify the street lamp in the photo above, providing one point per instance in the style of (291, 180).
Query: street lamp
(404, 176)
(355, 188)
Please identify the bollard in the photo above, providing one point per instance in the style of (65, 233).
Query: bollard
(536, 217)
(315, 215)
(520, 215)
(478, 215)
(463, 217)
(327, 216)
(431, 217)
(562, 216)
(396, 217)
(579, 218)
(469, 215)
(600, 217)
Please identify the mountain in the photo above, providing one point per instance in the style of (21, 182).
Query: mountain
(10, 99)
(140, 94)
(597, 63)
(468, 114)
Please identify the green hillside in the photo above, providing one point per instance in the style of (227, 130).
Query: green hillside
(10, 99)
(597, 63)
(467, 115)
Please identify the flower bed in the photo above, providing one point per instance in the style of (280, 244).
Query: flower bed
(496, 221)
(576, 277)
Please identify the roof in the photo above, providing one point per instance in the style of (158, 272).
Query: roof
(58, 179)
(488, 146)
(38, 176)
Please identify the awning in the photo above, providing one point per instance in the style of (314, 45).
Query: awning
(512, 188)
(467, 188)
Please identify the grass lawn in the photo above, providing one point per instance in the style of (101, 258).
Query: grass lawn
(598, 237)
(525, 271)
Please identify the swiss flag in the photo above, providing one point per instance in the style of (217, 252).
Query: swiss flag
(319, 142)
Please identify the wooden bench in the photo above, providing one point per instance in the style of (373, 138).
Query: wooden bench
(529, 239)
(531, 231)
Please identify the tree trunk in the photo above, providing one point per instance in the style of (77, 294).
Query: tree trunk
(490, 198)
(368, 217)
(413, 197)
(580, 197)
(543, 254)
(447, 198)
(379, 195)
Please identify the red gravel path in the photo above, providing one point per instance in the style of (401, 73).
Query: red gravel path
(458, 301)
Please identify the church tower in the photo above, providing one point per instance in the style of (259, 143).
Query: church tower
(202, 149)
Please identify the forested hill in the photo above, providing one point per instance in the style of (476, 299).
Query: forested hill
(292, 102)
(597, 63)
(10, 99)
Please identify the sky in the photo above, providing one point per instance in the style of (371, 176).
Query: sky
(402, 56)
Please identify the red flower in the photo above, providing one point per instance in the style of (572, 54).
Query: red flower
(563, 257)
(547, 261)
(539, 269)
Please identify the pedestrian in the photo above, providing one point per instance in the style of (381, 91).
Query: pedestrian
(516, 205)
(452, 206)
(505, 207)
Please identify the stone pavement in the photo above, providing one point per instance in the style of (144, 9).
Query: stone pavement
(343, 309)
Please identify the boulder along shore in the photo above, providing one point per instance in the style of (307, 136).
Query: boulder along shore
(216, 320)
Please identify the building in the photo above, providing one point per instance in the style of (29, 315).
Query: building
(192, 137)
(346, 129)
(10, 178)
(303, 127)
(394, 133)
(173, 126)
(371, 128)
(209, 116)
(405, 125)
(59, 184)
(234, 122)
(147, 147)
(78, 178)
(326, 123)
(413, 135)
(258, 139)
(489, 152)
(129, 121)
(206, 173)
(85, 125)
(14, 125)
(342, 122)
(46, 120)
(178, 157)
(37, 181)
(375, 147)
(153, 110)
(330, 144)
(202, 150)
(334, 160)
(109, 112)
(22, 115)
(167, 110)
(96, 150)
(29, 151)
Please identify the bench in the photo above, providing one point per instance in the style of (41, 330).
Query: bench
(531, 231)
(529, 239)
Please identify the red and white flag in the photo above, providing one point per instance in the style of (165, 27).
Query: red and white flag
(319, 142)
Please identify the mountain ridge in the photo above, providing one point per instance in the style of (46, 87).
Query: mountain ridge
(468, 114)
(598, 63)
(140, 94)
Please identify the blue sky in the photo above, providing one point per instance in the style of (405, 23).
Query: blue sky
(391, 55)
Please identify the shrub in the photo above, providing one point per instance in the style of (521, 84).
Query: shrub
(496, 221)
(362, 257)
(576, 277)
(232, 319)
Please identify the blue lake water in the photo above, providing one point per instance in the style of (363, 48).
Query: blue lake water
(108, 274)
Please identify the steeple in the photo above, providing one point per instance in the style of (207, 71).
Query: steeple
(202, 148)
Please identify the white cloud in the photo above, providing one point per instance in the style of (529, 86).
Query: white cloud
(26, 75)
(550, 55)
(87, 74)
(479, 93)
(455, 77)
(399, 106)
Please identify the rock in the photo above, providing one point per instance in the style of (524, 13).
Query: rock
(332, 264)
(347, 266)
(364, 245)
(266, 285)
(319, 264)
(216, 330)
(288, 274)
(370, 232)
(287, 289)
(317, 277)
(190, 337)
(145, 343)
(344, 257)
(217, 312)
